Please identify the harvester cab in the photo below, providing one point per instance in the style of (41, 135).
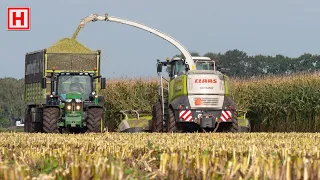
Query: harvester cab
(193, 100)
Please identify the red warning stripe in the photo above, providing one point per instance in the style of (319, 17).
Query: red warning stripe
(186, 115)
(225, 115)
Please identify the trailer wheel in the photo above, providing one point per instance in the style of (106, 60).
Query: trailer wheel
(95, 120)
(50, 120)
(157, 118)
(171, 123)
(27, 121)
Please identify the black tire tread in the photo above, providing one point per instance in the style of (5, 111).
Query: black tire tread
(234, 126)
(234, 119)
(50, 120)
(171, 125)
(94, 119)
(157, 118)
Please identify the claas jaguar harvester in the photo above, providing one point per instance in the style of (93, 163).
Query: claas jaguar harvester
(196, 97)
(61, 91)
(193, 100)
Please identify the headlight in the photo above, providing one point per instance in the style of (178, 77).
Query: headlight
(78, 107)
(69, 107)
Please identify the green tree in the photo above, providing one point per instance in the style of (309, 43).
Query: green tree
(11, 98)
(4, 122)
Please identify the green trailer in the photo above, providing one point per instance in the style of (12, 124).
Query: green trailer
(62, 90)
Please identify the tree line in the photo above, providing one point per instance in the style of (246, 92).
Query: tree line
(11, 101)
(240, 64)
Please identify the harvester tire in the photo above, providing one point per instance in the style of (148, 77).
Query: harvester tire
(157, 118)
(95, 120)
(50, 120)
(171, 124)
(234, 124)
(234, 119)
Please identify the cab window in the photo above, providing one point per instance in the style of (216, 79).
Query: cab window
(204, 65)
(178, 68)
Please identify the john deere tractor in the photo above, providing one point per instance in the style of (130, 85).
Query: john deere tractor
(61, 92)
(193, 100)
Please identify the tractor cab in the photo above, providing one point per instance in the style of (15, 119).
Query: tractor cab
(75, 83)
(80, 86)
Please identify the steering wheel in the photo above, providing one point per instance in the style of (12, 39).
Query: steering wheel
(74, 87)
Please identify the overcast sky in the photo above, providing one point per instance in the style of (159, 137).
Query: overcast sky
(288, 27)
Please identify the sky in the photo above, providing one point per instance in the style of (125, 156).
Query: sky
(287, 27)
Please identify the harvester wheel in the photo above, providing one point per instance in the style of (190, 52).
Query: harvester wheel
(171, 124)
(157, 118)
(234, 124)
(234, 119)
(95, 120)
(50, 120)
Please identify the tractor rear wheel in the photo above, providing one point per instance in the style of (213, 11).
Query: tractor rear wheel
(171, 123)
(95, 120)
(157, 118)
(50, 120)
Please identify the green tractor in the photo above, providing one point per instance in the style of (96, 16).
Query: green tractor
(61, 92)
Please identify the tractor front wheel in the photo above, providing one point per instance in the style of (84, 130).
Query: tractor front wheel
(157, 118)
(50, 120)
(95, 120)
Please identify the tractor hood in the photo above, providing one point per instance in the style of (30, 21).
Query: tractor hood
(74, 95)
(71, 95)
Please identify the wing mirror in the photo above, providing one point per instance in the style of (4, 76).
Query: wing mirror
(44, 83)
(159, 67)
(103, 83)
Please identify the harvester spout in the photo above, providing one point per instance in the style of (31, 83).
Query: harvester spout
(95, 17)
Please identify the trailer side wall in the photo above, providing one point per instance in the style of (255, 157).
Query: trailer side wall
(34, 71)
(39, 64)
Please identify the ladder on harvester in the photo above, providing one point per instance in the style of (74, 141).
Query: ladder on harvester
(164, 96)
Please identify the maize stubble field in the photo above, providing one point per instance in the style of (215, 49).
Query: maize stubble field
(275, 104)
(160, 156)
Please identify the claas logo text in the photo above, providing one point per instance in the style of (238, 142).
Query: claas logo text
(205, 81)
